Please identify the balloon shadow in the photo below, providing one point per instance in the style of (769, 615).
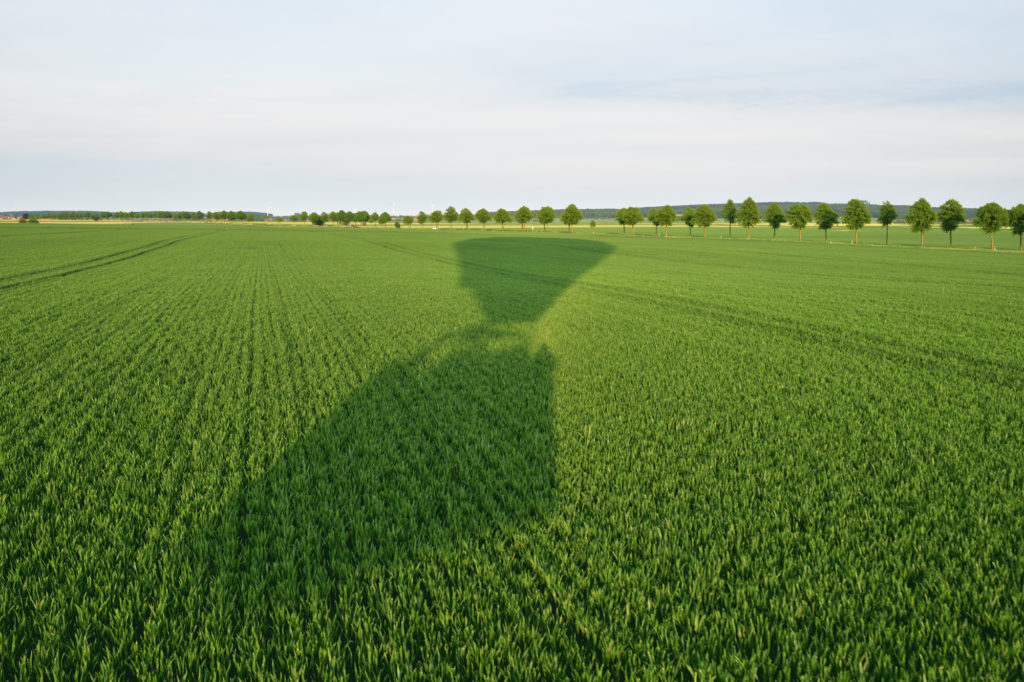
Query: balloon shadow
(428, 454)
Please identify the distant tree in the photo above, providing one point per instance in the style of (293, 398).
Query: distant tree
(689, 217)
(436, 217)
(704, 217)
(748, 215)
(523, 216)
(774, 216)
(465, 217)
(662, 217)
(304, 217)
(856, 216)
(887, 215)
(422, 218)
(951, 214)
(826, 218)
(593, 224)
(546, 216)
(620, 218)
(384, 218)
(451, 216)
(989, 219)
(729, 214)
(316, 219)
(798, 216)
(1016, 221)
(921, 217)
(362, 217)
(631, 216)
(374, 217)
(502, 217)
(571, 216)
(482, 217)
(408, 220)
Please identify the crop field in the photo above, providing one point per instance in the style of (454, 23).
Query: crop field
(285, 452)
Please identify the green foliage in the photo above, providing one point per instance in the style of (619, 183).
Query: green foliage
(748, 214)
(856, 214)
(990, 218)
(1016, 219)
(826, 217)
(436, 217)
(887, 214)
(261, 452)
(422, 218)
(466, 217)
(523, 215)
(729, 213)
(408, 220)
(316, 219)
(451, 215)
(705, 217)
(921, 216)
(502, 217)
(483, 216)
(774, 216)
(798, 216)
(950, 215)
(546, 216)
(689, 216)
(384, 218)
(571, 216)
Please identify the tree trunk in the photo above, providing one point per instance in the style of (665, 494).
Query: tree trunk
(992, 240)
(887, 235)
(774, 230)
(801, 234)
(705, 233)
(826, 236)
(691, 231)
(748, 232)
(632, 230)
(951, 239)
(922, 238)
(856, 236)
(730, 230)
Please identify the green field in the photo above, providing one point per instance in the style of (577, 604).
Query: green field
(314, 452)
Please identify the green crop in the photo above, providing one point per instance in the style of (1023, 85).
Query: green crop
(308, 452)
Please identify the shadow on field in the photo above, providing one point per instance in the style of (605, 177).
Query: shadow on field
(425, 455)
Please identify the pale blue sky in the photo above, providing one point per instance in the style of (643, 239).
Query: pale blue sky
(311, 105)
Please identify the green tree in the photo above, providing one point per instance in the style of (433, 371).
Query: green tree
(571, 216)
(1016, 221)
(620, 218)
(921, 217)
(408, 220)
(546, 216)
(689, 218)
(465, 217)
(951, 214)
(705, 217)
(729, 214)
(593, 224)
(887, 215)
(483, 216)
(384, 218)
(748, 215)
(436, 217)
(451, 216)
(422, 218)
(502, 217)
(826, 218)
(373, 217)
(774, 216)
(798, 216)
(631, 216)
(856, 216)
(362, 217)
(662, 217)
(989, 219)
(316, 219)
(523, 216)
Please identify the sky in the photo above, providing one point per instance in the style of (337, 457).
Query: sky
(406, 106)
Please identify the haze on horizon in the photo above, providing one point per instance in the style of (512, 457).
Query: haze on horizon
(311, 105)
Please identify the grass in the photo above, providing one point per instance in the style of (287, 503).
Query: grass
(293, 452)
